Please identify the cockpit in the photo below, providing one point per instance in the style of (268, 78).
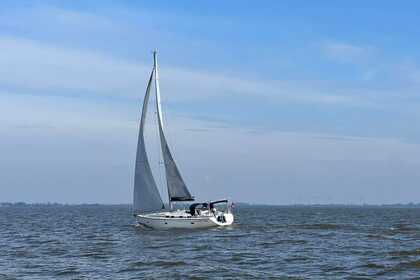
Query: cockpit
(209, 207)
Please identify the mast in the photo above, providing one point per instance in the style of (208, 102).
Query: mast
(177, 190)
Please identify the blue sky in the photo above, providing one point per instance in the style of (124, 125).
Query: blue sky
(266, 102)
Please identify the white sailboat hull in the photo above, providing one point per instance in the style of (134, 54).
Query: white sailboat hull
(176, 220)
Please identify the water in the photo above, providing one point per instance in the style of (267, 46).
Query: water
(101, 242)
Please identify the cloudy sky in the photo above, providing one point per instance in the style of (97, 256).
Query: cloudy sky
(265, 102)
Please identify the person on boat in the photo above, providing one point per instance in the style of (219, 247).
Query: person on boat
(213, 209)
(196, 208)
(193, 208)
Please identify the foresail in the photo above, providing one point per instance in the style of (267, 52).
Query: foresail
(146, 194)
(177, 190)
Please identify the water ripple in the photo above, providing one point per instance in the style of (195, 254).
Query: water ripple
(104, 242)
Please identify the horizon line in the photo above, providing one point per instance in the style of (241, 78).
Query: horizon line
(22, 203)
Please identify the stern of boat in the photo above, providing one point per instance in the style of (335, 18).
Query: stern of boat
(224, 219)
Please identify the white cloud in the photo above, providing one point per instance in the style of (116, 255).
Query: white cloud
(37, 67)
(346, 53)
(77, 19)
(53, 139)
(54, 18)
(408, 72)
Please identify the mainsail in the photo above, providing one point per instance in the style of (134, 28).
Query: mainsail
(177, 190)
(146, 194)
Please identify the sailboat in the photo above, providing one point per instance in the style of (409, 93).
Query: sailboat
(148, 206)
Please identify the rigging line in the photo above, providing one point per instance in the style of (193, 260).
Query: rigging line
(160, 159)
(167, 126)
(167, 129)
(159, 152)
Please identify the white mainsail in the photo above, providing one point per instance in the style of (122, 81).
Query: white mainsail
(146, 194)
(177, 189)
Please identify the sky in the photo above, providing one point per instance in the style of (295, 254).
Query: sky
(273, 102)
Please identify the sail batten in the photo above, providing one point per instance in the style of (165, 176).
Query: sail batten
(146, 195)
(177, 189)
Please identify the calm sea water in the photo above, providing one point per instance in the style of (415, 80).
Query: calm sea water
(102, 242)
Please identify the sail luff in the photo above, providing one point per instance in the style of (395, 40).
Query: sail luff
(177, 190)
(146, 195)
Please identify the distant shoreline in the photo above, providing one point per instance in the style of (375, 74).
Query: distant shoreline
(240, 204)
